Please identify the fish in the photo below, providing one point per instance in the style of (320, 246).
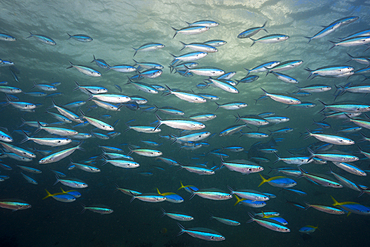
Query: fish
(203, 23)
(80, 37)
(330, 71)
(326, 209)
(29, 179)
(7, 37)
(55, 157)
(232, 105)
(60, 196)
(146, 152)
(85, 70)
(352, 207)
(355, 41)
(189, 97)
(243, 166)
(177, 216)
(72, 182)
(198, 170)
(98, 209)
(190, 30)
(205, 71)
(325, 31)
(199, 47)
(202, 233)
(308, 229)
(14, 204)
(121, 163)
(100, 63)
(251, 31)
(272, 38)
(180, 124)
(97, 123)
(224, 86)
(111, 98)
(149, 197)
(278, 181)
(149, 47)
(333, 139)
(282, 98)
(17, 150)
(43, 38)
(226, 221)
(212, 194)
(320, 179)
(269, 224)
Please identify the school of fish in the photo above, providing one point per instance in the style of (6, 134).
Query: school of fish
(38, 145)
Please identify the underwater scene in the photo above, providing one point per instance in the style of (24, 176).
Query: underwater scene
(184, 123)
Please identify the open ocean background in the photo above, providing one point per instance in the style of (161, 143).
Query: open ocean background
(117, 27)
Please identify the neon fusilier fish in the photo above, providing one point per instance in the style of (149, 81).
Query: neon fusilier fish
(80, 37)
(43, 39)
(190, 30)
(85, 70)
(149, 47)
(251, 31)
(272, 38)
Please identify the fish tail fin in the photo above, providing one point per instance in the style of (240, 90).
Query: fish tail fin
(238, 200)
(163, 212)
(184, 45)
(159, 122)
(77, 86)
(277, 158)
(31, 34)
(335, 201)
(263, 26)
(26, 138)
(84, 208)
(334, 45)
(309, 39)
(249, 71)
(56, 176)
(135, 51)
(93, 59)
(159, 192)
(70, 36)
(175, 32)
(182, 229)
(252, 217)
(263, 180)
(218, 106)
(71, 65)
(237, 118)
(48, 194)
(254, 41)
(182, 186)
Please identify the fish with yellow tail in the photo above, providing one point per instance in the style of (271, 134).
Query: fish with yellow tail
(352, 207)
(279, 181)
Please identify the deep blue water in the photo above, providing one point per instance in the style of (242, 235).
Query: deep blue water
(118, 26)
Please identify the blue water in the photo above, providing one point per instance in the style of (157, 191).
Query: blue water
(116, 28)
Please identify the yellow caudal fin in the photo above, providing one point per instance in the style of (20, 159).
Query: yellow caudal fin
(47, 195)
(263, 180)
(335, 202)
(159, 192)
(238, 199)
(183, 186)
